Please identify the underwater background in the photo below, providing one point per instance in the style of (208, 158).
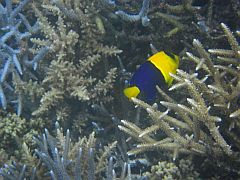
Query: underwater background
(65, 63)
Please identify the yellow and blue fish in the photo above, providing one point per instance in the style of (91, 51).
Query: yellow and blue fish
(155, 71)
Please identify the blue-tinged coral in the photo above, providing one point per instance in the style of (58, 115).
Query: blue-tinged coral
(78, 85)
(142, 15)
(15, 33)
(64, 159)
(15, 171)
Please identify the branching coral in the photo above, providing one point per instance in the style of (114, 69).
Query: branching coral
(181, 17)
(77, 41)
(163, 22)
(65, 159)
(70, 77)
(142, 15)
(15, 56)
(201, 124)
(57, 156)
(76, 50)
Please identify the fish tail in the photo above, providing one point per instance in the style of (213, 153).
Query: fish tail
(131, 91)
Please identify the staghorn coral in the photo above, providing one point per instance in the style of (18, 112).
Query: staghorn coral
(16, 59)
(208, 114)
(179, 23)
(78, 60)
(76, 50)
(57, 155)
(166, 29)
(190, 16)
(172, 26)
(64, 82)
(142, 15)
(16, 172)
(65, 159)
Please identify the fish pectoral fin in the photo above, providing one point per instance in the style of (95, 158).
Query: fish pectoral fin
(131, 91)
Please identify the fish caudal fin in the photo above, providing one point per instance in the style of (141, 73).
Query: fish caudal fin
(131, 91)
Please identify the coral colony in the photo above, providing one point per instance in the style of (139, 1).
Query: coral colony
(15, 35)
(64, 65)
